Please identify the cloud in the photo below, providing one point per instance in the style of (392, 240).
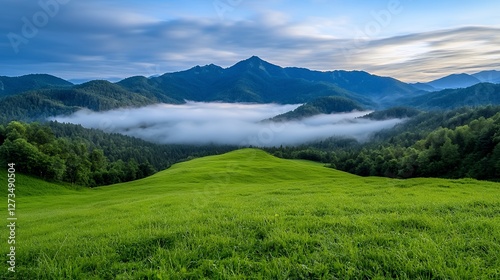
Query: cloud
(100, 39)
(426, 56)
(225, 123)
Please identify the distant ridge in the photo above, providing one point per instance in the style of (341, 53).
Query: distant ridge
(14, 85)
(454, 81)
(477, 95)
(491, 76)
(462, 80)
(253, 80)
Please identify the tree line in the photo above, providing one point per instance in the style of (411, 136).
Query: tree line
(454, 144)
(88, 157)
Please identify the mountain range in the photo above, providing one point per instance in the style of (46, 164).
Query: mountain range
(462, 80)
(37, 96)
(255, 80)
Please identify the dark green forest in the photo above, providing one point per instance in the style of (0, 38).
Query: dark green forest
(88, 157)
(320, 105)
(454, 144)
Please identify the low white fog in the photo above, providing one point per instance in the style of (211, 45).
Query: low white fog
(225, 123)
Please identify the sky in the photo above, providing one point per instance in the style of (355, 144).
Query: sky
(226, 123)
(113, 39)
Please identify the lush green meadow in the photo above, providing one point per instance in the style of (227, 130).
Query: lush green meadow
(247, 214)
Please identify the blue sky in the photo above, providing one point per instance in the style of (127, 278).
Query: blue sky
(110, 39)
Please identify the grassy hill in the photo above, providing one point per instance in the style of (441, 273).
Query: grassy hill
(248, 214)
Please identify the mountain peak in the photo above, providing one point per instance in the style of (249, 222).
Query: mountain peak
(256, 64)
(454, 81)
(212, 66)
(253, 60)
(489, 76)
(197, 70)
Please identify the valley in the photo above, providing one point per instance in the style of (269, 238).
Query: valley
(232, 139)
(253, 80)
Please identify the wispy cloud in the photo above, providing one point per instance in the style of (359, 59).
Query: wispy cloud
(426, 56)
(92, 40)
(221, 123)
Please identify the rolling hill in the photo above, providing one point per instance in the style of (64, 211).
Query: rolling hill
(321, 105)
(248, 214)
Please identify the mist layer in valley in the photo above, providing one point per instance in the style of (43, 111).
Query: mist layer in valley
(226, 123)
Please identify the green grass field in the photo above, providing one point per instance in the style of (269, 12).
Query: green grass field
(248, 215)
